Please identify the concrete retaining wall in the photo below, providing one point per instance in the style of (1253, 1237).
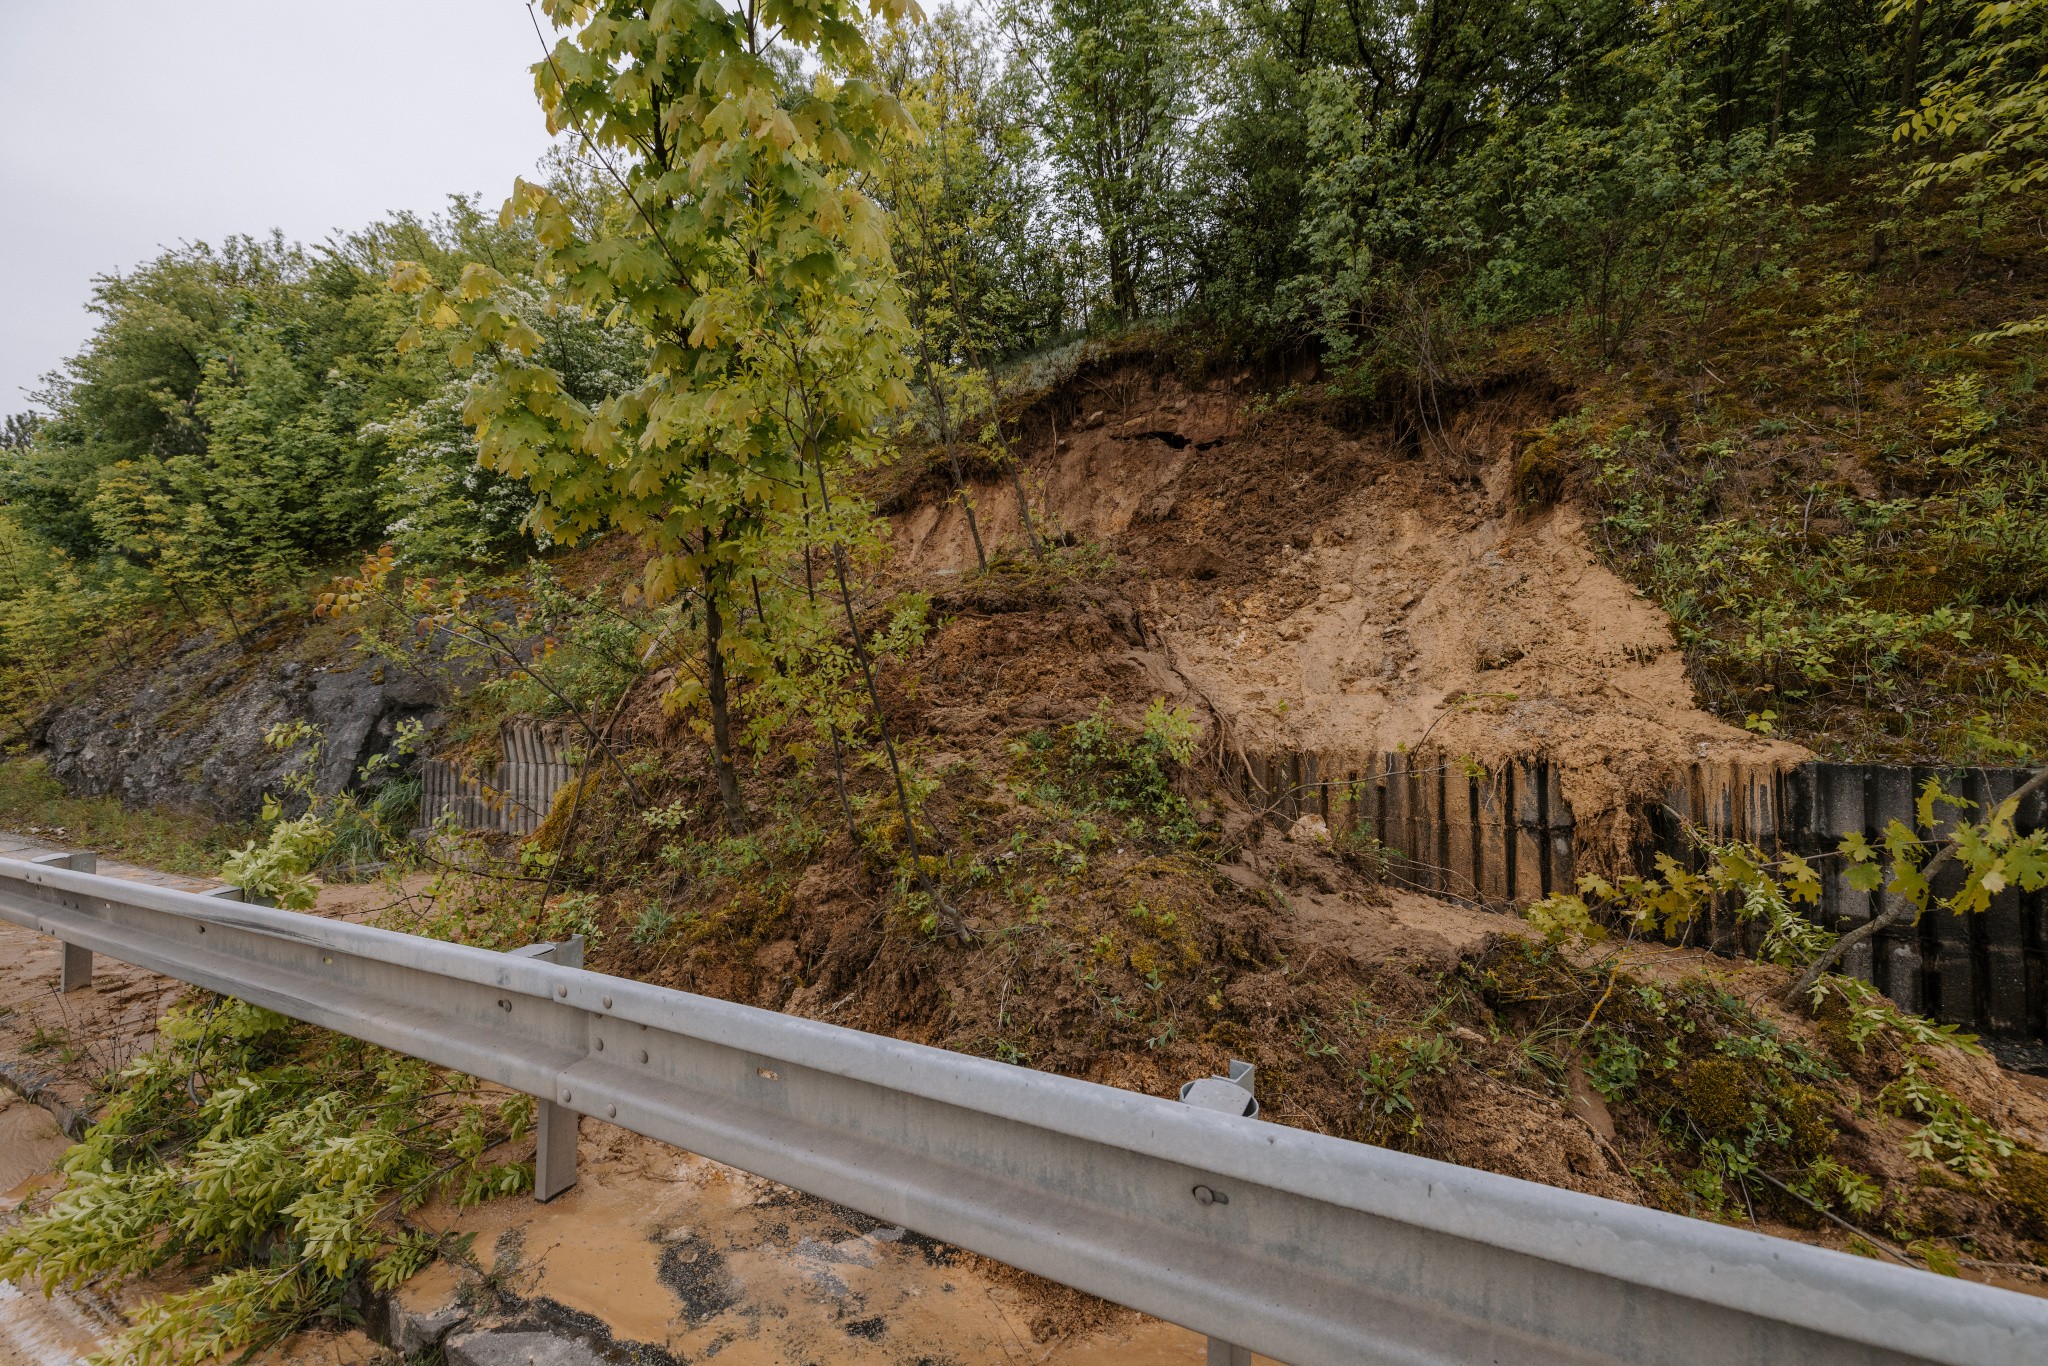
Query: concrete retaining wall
(516, 796)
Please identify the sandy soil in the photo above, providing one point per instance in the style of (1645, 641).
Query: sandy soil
(30, 1142)
(1344, 595)
(698, 1259)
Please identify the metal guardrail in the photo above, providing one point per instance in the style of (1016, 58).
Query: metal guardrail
(1302, 1247)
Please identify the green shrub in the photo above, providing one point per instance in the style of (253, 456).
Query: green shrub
(1096, 765)
(286, 1157)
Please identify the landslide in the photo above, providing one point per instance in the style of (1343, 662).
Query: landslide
(1345, 588)
(1116, 915)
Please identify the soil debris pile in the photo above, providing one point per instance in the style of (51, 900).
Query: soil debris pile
(1348, 592)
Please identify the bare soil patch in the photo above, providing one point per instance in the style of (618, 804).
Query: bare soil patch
(1346, 593)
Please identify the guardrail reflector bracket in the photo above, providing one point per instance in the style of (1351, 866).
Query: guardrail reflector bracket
(1230, 1094)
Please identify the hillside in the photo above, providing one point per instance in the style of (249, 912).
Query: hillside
(1423, 548)
(1293, 584)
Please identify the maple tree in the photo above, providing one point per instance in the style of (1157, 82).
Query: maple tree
(757, 272)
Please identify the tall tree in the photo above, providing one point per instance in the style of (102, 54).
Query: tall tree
(755, 269)
(1116, 90)
(18, 430)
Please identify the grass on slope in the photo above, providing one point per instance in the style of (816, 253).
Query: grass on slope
(1836, 492)
(34, 804)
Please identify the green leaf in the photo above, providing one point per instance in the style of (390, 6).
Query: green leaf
(1932, 794)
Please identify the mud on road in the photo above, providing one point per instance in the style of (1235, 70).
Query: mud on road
(655, 1256)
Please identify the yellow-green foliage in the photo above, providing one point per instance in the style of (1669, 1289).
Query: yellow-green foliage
(1991, 853)
(46, 609)
(1993, 857)
(1983, 126)
(284, 1156)
(1759, 888)
(277, 870)
(1951, 1134)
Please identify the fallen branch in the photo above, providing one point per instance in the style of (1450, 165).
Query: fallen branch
(39, 1089)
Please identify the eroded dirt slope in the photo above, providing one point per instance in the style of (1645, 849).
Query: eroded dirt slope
(1347, 593)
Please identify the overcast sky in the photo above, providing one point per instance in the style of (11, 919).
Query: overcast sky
(131, 125)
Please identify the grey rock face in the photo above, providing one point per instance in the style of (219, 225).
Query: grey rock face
(519, 1349)
(188, 731)
(412, 1331)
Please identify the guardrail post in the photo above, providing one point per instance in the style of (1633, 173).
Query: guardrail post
(554, 1126)
(76, 973)
(1228, 1095)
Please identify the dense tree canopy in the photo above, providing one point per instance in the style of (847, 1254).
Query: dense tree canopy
(1373, 181)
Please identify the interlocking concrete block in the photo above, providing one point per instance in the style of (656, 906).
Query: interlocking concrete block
(519, 1349)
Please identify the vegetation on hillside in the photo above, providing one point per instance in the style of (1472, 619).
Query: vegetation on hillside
(1783, 257)
(1786, 256)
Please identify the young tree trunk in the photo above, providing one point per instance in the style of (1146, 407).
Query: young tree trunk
(1024, 515)
(183, 604)
(1123, 273)
(1784, 76)
(721, 717)
(229, 612)
(832, 728)
(1909, 64)
(942, 909)
(931, 379)
(1023, 503)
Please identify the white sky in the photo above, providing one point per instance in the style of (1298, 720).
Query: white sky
(131, 125)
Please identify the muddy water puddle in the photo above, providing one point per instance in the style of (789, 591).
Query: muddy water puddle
(30, 1143)
(701, 1261)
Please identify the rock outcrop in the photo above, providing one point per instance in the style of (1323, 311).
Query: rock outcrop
(188, 730)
